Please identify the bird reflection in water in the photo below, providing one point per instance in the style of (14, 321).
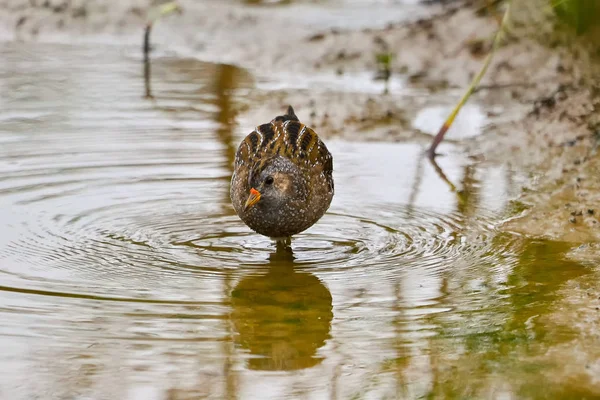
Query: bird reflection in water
(282, 318)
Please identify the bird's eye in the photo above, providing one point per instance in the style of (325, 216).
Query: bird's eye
(269, 180)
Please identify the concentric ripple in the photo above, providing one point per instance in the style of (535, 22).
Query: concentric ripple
(174, 227)
(92, 227)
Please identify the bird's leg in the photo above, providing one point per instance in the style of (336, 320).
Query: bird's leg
(283, 243)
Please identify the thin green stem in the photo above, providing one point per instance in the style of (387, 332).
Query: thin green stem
(448, 123)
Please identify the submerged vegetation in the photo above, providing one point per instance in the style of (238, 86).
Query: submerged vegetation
(582, 15)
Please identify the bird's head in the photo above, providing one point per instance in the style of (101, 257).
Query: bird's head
(274, 182)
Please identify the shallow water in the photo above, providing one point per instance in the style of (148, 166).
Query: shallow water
(124, 272)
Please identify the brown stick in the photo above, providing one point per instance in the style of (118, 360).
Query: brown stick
(155, 14)
(146, 50)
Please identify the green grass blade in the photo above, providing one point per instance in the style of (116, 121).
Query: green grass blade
(450, 120)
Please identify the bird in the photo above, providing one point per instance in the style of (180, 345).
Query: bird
(282, 182)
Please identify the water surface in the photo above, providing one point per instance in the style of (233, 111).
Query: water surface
(124, 272)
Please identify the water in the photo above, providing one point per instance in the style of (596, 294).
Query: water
(125, 273)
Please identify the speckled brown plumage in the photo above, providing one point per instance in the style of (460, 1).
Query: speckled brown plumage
(282, 181)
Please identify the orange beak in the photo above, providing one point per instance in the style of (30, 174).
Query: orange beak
(252, 199)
